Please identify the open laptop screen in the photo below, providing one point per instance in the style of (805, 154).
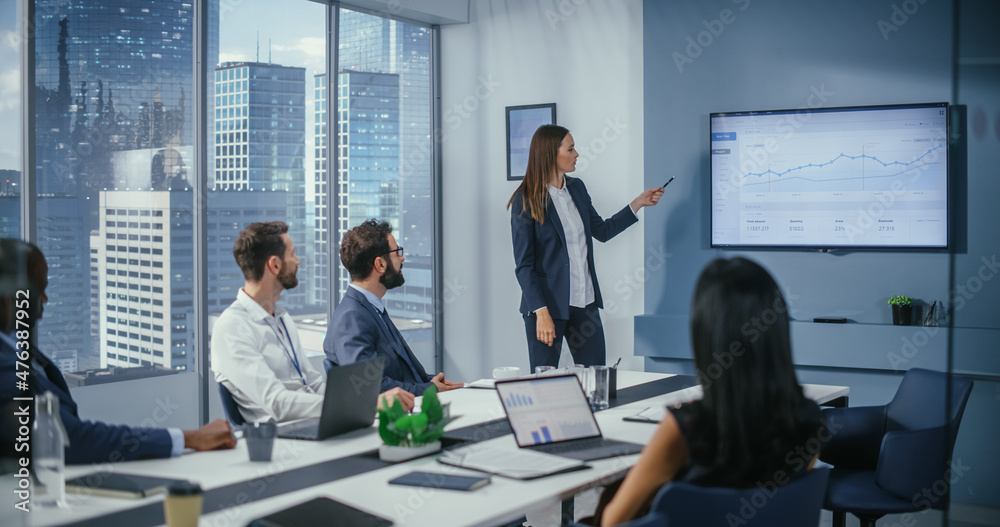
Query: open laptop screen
(547, 410)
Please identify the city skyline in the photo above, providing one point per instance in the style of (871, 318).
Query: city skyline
(116, 141)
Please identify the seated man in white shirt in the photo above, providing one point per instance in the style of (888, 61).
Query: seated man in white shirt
(256, 352)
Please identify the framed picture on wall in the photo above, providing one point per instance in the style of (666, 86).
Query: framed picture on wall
(522, 121)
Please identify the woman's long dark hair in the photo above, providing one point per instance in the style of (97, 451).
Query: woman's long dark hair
(541, 165)
(752, 404)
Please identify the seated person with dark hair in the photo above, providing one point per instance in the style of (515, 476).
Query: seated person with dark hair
(360, 328)
(23, 268)
(256, 351)
(753, 414)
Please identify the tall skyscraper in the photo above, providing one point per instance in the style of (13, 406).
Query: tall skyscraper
(322, 257)
(368, 171)
(369, 44)
(145, 270)
(260, 146)
(373, 44)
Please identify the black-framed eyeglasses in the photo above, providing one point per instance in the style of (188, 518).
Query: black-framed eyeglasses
(397, 250)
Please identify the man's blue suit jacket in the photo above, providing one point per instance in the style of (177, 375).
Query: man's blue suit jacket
(540, 256)
(356, 333)
(89, 441)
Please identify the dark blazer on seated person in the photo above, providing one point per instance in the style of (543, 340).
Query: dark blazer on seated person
(542, 262)
(358, 332)
(90, 441)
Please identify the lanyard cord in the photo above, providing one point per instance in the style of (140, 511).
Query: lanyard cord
(292, 357)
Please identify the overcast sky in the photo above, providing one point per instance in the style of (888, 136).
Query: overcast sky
(296, 29)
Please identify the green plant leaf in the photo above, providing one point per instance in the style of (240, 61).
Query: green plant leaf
(418, 424)
(403, 424)
(431, 405)
(388, 437)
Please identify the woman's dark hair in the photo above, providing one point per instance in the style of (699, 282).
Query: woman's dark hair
(541, 165)
(361, 245)
(752, 405)
(257, 243)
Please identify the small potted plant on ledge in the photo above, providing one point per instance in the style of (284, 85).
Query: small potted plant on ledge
(902, 310)
(407, 436)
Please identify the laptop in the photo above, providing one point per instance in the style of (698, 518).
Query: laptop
(349, 403)
(552, 415)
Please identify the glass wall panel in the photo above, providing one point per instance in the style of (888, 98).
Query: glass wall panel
(11, 41)
(975, 293)
(264, 95)
(384, 172)
(114, 148)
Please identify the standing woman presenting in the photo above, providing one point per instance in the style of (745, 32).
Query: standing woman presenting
(553, 224)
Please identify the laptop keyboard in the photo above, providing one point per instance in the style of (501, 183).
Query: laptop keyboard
(572, 446)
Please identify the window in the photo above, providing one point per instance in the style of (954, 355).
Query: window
(124, 119)
(122, 105)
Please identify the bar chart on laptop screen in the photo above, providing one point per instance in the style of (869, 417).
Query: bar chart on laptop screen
(874, 176)
(547, 410)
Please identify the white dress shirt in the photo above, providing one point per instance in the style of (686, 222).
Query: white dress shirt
(254, 354)
(581, 286)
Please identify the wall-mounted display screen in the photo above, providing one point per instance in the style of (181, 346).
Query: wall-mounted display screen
(858, 177)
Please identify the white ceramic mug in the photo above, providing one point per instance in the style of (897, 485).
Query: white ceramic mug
(506, 372)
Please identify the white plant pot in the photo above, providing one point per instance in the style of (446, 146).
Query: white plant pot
(402, 453)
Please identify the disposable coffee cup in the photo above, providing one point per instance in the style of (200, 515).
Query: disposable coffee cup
(506, 372)
(182, 506)
(260, 439)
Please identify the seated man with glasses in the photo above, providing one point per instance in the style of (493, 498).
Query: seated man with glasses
(360, 328)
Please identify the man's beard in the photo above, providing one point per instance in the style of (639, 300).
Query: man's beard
(393, 277)
(287, 278)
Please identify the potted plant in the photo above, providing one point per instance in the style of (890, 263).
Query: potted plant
(902, 310)
(406, 436)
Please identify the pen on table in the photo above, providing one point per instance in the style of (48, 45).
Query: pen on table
(617, 361)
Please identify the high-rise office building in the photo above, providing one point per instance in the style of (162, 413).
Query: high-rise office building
(260, 145)
(377, 45)
(64, 239)
(145, 270)
(110, 76)
(322, 257)
(368, 171)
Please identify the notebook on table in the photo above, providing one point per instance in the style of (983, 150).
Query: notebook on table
(119, 485)
(552, 415)
(349, 403)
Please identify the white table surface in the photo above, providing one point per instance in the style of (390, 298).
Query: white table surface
(501, 501)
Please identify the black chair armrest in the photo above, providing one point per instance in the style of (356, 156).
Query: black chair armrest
(852, 437)
(915, 461)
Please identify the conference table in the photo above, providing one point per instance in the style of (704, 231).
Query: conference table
(347, 469)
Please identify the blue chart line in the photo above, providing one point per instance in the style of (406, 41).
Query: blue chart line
(820, 165)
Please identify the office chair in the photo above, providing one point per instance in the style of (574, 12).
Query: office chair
(230, 407)
(796, 504)
(885, 457)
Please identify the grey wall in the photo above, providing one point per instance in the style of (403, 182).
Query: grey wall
(587, 58)
(791, 54)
